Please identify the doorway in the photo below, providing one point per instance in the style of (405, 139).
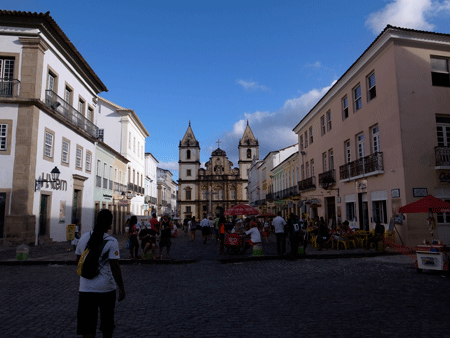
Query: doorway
(43, 215)
(363, 211)
(2, 212)
(330, 210)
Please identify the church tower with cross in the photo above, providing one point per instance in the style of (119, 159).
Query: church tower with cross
(218, 185)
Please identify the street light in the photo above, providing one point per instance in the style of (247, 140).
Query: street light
(55, 175)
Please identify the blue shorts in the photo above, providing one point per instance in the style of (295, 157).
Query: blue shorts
(88, 305)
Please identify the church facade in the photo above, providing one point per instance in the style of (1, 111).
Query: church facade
(218, 184)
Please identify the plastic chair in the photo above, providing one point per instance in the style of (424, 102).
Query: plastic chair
(346, 240)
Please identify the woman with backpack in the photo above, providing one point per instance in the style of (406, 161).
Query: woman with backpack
(99, 290)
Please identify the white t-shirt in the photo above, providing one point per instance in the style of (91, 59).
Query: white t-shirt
(279, 224)
(255, 236)
(205, 223)
(104, 281)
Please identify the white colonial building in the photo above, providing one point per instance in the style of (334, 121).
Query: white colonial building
(123, 131)
(48, 111)
(151, 190)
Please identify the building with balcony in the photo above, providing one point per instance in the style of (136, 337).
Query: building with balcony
(166, 191)
(151, 191)
(48, 108)
(285, 188)
(218, 185)
(378, 138)
(261, 180)
(113, 120)
(110, 190)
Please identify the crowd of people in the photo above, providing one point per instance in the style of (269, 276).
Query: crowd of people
(293, 231)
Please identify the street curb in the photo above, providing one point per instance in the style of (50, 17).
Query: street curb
(313, 256)
(221, 260)
(121, 262)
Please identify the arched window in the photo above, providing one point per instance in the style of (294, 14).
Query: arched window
(188, 154)
(249, 153)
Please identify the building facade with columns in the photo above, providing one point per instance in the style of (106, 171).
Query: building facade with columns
(218, 185)
(47, 111)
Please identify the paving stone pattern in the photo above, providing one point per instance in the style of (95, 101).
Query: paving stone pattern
(358, 297)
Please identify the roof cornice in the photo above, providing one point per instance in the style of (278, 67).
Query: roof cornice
(390, 35)
(45, 23)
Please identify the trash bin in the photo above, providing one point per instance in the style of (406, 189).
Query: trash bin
(257, 249)
(22, 252)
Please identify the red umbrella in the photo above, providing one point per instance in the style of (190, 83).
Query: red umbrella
(424, 204)
(241, 209)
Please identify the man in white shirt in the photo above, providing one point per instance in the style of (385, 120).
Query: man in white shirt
(255, 237)
(279, 224)
(205, 224)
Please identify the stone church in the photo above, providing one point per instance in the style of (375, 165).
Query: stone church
(202, 190)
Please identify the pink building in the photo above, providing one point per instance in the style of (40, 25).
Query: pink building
(379, 138)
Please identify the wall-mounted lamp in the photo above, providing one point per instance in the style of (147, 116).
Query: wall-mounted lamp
(55, 175)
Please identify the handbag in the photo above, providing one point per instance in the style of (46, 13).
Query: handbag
(88, 264)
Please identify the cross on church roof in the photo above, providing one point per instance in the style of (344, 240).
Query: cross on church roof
(218, 143)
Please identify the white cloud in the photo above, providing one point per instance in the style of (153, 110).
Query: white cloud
(316, 64)
(250, 85)
(172, 166)
(272, 129)
(415, 14)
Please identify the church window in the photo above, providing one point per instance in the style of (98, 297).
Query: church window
(188, 194)
(249, 153)
(188, 172)
(188, 155)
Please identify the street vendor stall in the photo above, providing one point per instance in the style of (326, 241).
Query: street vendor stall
(430, 256)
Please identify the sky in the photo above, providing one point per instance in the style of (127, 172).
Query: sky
(218, 64)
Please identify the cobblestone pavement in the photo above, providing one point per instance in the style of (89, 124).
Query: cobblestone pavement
(354, 297)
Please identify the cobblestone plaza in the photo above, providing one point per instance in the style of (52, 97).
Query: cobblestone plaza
(340, 297)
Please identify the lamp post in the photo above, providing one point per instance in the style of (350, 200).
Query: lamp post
(54, 174)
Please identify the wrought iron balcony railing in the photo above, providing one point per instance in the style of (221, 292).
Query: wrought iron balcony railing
(442, 155)
(9, 88)
(307, 184)
(70, 113)
(369, 165)
(327, 178)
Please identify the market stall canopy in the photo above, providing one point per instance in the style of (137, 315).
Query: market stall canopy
(424, 204)
(241, 209)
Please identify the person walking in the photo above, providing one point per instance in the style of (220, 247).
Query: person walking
(279, 223)
(133, 236)
(192, 227)
(205, 224)
(100, 291)
(166, 227)
(294, 234)
(186, 225)
(222, 230)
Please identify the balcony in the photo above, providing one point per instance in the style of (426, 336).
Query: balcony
(269, 197)
(130, 187)
(327, 178)
(9, 88)
(367, 166)
(70, 114)
(307, 184)
(442, 155)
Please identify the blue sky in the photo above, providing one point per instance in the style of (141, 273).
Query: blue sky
(221, 63)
